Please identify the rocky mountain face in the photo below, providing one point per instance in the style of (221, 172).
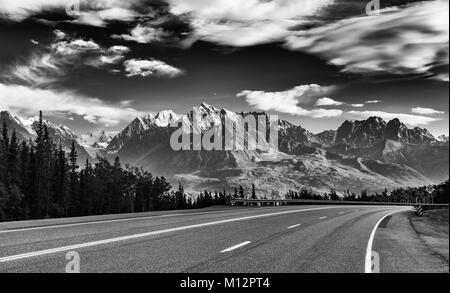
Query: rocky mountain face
(23, 133)
(443, 138)
(26, 131)
(371, 154)
(95, 142)
(394, 143)
(361, 133)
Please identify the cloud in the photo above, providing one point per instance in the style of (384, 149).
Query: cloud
(27, 101)
(75, 47)
(357, 105)
(100, 18)
(249, 10)
(373, 102)
(245, 23)
(289, 101)
(118, 49)
(328, 102)
(34, 42)
(152, 67)
(412, 120)
(92, 12)
(59, 34)
(426, 111)
(143, 34)
(411, 40)
(40, 69)
(50, 64)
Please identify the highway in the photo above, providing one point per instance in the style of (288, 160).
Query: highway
(290, 239)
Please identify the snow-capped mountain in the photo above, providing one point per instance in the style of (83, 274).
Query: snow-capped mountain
(375, 129)
(26, 131)
(23, 131)
(139, 126)
(95, 142)
(368, 154)
(350, 157)
(443, 138)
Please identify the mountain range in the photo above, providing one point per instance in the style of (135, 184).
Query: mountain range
(370, 154)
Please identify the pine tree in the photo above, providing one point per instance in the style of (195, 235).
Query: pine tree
(241, 192)
(253, 192)
(71, 199)
(12, 160)
(60, 183)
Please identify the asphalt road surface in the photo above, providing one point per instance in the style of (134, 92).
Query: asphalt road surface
(231, 240)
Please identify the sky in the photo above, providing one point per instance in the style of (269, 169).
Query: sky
(97, 64)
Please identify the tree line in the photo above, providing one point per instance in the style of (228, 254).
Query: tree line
(438, 193)
(39, 179)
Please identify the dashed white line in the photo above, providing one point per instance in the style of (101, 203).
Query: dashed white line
(368, 260)
(147, 234)
(294, 226)
(112, 221)
(321, 218)
(236, 246)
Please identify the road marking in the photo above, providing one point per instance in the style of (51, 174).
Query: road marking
(112, 221)
(321, 218)
(147, 234)
(368, 260)
(294, 226)
(341, 213)
(236, 246)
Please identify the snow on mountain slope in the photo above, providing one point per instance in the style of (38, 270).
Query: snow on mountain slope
(95, 142)
(302, 161)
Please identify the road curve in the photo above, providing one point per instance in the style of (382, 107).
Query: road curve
(290, 239)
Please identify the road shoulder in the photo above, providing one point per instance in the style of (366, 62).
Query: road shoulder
(407, 244)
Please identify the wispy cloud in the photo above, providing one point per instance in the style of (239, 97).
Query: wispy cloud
(426, 111)
(152, 67)
(143, 34)
(413, 120)
(27, 101)
(328, 102)
(50, 64)
(373, 102)
(411, 40)
(92, 12)
(245, 23)
(405, 40)
(290, 101)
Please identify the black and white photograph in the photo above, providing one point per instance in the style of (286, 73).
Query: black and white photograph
(224, 143)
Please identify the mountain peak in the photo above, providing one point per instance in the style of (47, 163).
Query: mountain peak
(207, 107)
(443, 138)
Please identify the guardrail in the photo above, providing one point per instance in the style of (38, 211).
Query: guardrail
(279, 202)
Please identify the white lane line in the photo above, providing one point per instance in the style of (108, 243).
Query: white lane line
(141, 235)
(112, 221)
(321, 218)
(236, 246)
(368, 260)
(294, 226)
(341, 213)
